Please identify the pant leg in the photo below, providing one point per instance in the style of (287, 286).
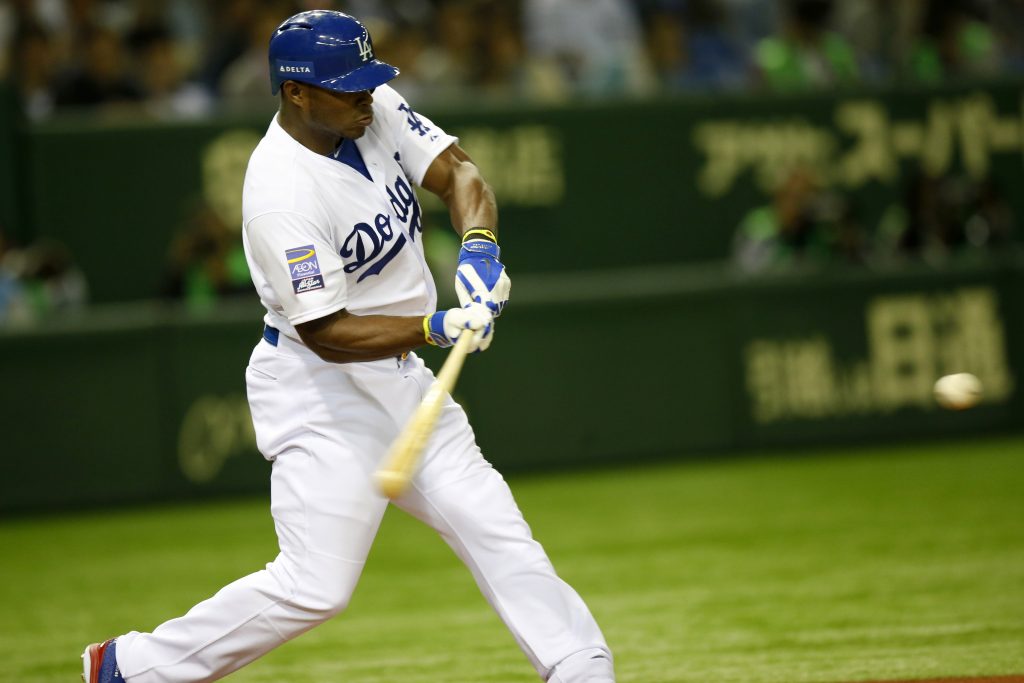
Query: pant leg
(326, 515)
(322, 552)
(468, 502)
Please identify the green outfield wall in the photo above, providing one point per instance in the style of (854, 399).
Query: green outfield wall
(582, 187)
(12, 153)
(143, 402)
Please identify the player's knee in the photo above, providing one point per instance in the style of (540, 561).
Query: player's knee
(588, 666)
(327, 593)
(322, 598)
(321, 589)
(327, 602)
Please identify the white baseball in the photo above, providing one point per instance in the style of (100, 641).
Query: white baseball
(959, 391)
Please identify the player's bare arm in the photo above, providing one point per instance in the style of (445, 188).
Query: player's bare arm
(481, 277)
(344, 337)
(454, 178)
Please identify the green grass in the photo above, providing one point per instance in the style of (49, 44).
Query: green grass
(847, 565)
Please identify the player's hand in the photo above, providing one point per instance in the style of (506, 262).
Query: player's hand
(481, 277)
(444, 327)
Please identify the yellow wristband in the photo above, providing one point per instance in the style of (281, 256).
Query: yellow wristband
(479, 232)
(426, 331)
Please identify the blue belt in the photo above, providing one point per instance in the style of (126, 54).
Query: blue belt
(271, 334)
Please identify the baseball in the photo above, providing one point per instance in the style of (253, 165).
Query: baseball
(959, 391)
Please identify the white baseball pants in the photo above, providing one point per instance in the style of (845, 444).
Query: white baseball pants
(326, 427)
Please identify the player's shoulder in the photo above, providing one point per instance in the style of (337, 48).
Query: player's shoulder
(389, 104)
(387, 96)
(276, 147)
(277, 178)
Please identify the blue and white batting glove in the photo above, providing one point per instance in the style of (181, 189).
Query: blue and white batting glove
(481, 277)
(444, 327)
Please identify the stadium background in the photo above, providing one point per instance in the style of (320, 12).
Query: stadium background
(746, 238)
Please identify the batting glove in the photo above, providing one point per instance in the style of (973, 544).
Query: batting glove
(481, 277)
(444, 327)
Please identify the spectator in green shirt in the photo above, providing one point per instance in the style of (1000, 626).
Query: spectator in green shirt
(804, 225)
(806, 55)
(955, 42)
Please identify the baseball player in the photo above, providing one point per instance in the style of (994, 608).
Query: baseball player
(333, 237)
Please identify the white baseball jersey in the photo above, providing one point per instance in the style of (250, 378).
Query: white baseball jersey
(320, 236)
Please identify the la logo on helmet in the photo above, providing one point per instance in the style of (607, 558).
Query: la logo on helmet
(365, 49)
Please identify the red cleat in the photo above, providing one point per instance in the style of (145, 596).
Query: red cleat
(99, 663)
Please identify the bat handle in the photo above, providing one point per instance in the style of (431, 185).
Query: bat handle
(453, 363)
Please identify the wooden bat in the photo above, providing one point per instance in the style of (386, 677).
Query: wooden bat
(402, 458)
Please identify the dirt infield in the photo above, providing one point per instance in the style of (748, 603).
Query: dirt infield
(967, 679)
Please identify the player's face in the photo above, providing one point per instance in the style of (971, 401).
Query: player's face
(345, 114)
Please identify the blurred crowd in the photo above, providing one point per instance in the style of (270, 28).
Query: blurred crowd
(184, 59)
(187, 58)
(806, 225)
(38, 281)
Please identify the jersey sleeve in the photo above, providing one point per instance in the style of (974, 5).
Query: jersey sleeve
(419, 140)
(299, 265)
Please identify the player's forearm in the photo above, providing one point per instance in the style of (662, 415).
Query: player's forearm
(471, 202)
(458, 182)
(346, 338)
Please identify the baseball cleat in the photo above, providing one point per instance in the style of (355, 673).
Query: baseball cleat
(99, 663)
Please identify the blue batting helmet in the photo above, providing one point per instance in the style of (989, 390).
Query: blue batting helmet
(327, 49)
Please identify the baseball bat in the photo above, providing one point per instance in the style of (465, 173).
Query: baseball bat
(403, 456)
